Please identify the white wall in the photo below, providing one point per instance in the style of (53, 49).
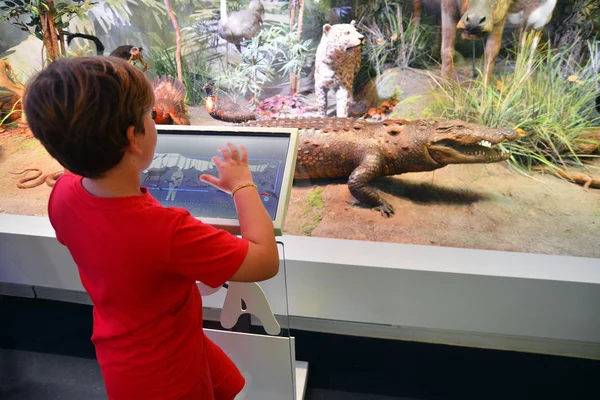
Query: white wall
(472, 297)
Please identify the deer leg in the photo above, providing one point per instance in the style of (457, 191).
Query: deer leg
(417, 9)
(492, 48)
(449, 22)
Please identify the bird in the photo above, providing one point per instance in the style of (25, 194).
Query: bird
(240, 25)
(226, 110)
(126, 52)
(169, 107)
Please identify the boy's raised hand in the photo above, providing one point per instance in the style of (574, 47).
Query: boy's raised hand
(233, 169)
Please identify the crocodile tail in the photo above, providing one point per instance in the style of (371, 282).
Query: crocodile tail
(169, 89)
(325, 124)
(233, 116)
(97, 42)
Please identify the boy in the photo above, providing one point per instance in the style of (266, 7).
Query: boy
(138, 260)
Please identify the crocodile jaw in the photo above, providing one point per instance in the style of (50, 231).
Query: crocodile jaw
(449, 151)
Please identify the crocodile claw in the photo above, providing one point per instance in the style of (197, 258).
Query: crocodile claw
(385, 209)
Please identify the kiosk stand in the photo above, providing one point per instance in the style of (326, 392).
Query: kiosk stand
(182, 154)
(263, 360)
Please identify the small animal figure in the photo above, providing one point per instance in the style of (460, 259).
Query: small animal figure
(480, 18)
(169, 107)
(126, 52)
(226, 110)
(240, 25)
(337, 63)
(37, 179)
(155, 174)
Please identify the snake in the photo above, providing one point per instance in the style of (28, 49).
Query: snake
(580, 178)
(37, 178)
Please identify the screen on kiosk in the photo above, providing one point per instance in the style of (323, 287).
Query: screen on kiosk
(173, 178)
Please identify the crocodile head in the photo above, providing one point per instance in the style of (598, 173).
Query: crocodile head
(459, 142)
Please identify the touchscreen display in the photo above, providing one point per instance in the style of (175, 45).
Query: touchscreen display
(180, 159)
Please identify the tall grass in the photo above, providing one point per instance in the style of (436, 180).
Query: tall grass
(547, 97)
(391, 39)
(196, 71)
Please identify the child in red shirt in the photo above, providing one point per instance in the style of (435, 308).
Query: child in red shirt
(139, 261)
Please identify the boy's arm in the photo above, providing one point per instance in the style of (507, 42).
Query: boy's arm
(205, 253)
(213, 256)
(262, 260)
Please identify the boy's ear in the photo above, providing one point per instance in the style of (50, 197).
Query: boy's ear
(132, 141)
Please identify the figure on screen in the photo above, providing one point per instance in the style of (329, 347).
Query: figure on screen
(174, 183)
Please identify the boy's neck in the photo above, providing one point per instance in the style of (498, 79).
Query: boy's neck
(115, 183)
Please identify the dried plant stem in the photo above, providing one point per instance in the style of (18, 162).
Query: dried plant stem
(177, 40)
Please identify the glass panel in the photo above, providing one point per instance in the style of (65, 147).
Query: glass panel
(447, 183)
(259, 342)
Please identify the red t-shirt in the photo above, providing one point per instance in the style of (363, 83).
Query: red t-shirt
(139, 263)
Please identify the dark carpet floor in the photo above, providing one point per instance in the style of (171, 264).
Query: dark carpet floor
(45, 353)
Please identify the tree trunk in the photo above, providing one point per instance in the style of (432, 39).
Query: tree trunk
(417, 9)
(292, 22)
(63, 46)
(49, 34)
(177, 40)
(299, 33)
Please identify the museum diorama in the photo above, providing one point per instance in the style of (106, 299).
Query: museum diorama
(463, 124)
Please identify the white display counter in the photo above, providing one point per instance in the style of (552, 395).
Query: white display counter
(492, 299)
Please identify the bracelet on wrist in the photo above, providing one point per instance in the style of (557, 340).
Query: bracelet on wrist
(243, 185)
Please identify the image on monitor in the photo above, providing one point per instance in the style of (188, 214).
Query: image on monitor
(173, 178)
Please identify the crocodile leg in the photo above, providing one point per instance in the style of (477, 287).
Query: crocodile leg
(369, 169)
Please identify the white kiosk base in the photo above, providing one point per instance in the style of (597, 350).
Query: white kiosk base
(260, 359)
(268, 362)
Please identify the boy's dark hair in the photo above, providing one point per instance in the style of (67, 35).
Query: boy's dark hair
(80, 109)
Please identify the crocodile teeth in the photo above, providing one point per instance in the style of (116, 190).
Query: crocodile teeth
(485, 143)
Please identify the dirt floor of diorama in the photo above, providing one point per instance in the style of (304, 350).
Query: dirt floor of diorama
(470, 206)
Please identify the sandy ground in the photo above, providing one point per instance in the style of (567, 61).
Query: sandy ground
(470, 206)
(17, 153)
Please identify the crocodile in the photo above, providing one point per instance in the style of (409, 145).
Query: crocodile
(363, 151)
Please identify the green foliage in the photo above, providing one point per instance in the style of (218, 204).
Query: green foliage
(549, 100)
(276, 49)
(315, 199)
(64, 13)
(195, 71)
(573, 21)
(311, 217)
(391, 40)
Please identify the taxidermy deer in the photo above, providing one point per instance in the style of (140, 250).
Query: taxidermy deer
(480, 18)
